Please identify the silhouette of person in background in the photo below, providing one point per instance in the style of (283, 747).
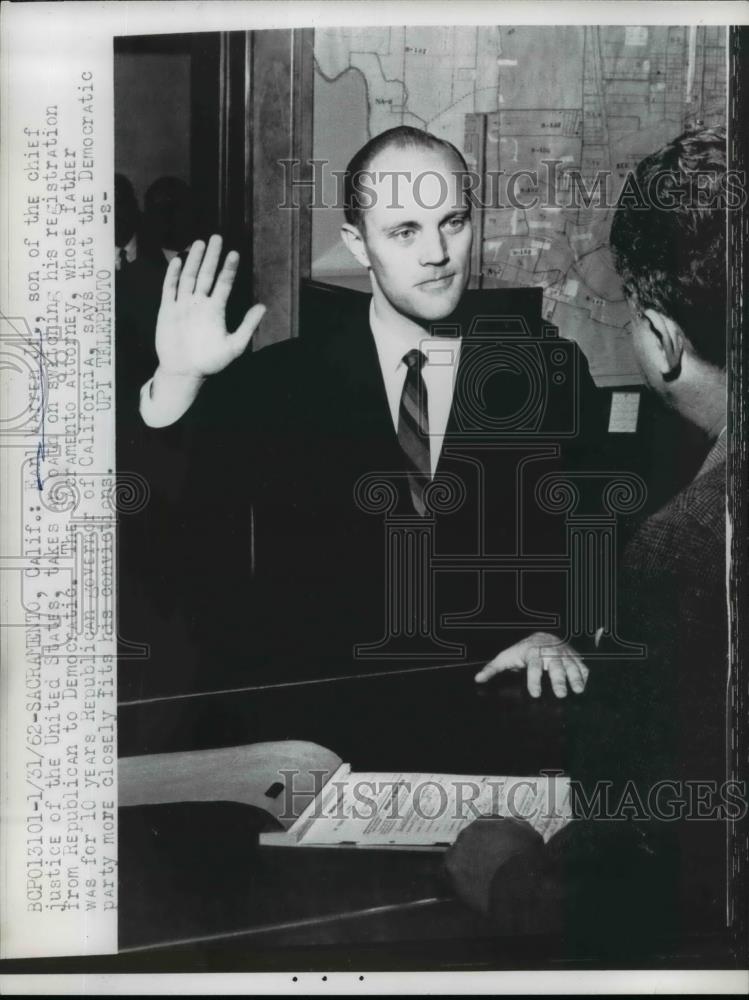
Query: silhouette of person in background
(127, 222)
(170, 221)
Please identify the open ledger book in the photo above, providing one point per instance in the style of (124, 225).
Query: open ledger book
(414, 811)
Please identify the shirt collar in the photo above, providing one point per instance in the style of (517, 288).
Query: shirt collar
(396, 337)
(130, 249)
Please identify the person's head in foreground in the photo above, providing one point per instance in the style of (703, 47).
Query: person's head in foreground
(672, 263)
(671, 255)
(408, 221)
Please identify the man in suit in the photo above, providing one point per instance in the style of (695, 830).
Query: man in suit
(652, 730)
(384, 389)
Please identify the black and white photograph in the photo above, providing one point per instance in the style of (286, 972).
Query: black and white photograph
(409, 534)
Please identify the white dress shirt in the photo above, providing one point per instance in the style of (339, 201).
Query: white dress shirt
(442, 354)
(392, 343)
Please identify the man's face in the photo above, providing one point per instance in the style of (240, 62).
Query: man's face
(416, 236)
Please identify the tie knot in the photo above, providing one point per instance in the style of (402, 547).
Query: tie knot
(414, 360)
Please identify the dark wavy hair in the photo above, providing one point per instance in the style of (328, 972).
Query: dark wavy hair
(673, 259)
(400, 137)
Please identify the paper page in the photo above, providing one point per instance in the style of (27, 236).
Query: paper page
(371, 809)
(625, 407)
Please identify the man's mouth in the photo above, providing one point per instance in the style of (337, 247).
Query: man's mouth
(435, 284)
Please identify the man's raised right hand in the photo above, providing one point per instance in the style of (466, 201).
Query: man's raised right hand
(192, 341)
(191, 336)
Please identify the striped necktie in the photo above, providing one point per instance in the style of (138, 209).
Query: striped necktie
(413, 429)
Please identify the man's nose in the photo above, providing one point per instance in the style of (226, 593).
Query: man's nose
(434, 249)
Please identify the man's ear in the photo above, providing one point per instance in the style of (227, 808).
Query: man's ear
(355, 243)
(670, 343)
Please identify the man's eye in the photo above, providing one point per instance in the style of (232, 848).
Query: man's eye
(455, 224)
(403, 235)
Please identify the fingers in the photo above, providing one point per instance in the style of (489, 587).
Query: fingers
(574, 671)
(539, 654)
(207, 272)
(243, 334)
(486, 673)
(226, 277)
(557, 676)
(566, 669)
(513, 658)
(190, 270)
(506, 660)
(535, 673)
(171, 281)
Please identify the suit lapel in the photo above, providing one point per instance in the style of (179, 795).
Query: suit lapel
(453, 432)
(357, 387)
(358, 391)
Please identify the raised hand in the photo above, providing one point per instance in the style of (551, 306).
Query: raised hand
(192, 341)
(541, 653)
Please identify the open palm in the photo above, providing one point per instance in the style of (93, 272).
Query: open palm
(191, 335)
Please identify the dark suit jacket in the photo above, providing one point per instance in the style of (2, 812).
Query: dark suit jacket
(137, 299)
(640, 877)
(281, 570)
